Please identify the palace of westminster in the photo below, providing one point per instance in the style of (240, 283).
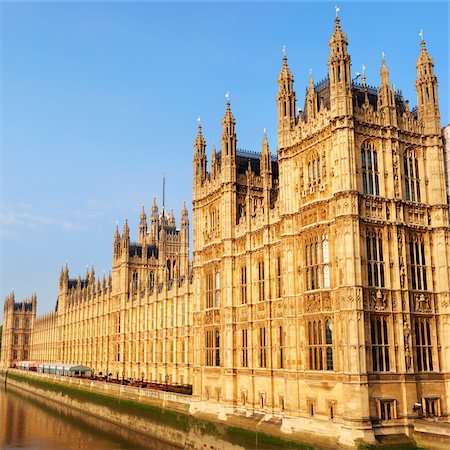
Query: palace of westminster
(318, 292)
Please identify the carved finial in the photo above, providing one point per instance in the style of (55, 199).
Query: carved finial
(421, 35)
(337, 11)
(382, 57)
(264, 131)
(284, 51)
(227, 96)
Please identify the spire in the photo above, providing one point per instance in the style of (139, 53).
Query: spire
(126, 230)
(311, 103)
(154, 207)
(339, 69)
(117, 234)
(384, 93)
(200, 143)
(285, 98)
(199, 154)
(213, 162)
(142, 229)
(266, 158)
(143, 216)
(228, 134)
(426, 87)
(184, 211)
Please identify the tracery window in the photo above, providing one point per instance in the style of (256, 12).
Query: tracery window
(375, 261)
(152, 280)
(261, 294)
(317, 263)
(423, 344)
(369, 164)
(281, 345)
(379, 343)
(314, 170)
(262, 347)
(411, 176)
(135, 282)
(209, 290)
(244, 347)
(417, 263)
(212, 338)
(279, 278)
(243, 285)
(217, 290)
(320, 344)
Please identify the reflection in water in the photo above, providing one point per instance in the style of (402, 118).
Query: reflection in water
(31, 422)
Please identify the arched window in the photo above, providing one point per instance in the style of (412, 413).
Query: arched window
(135, 281)
(375, 260)
(329, 343)
(314, 169)
(411, 175)
(152, 280)
(369, 164)
(217, 290)
(16, 322)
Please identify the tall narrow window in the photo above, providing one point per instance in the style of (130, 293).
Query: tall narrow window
(320, 345)
(243, 285)
(217, 348)
(244, 348)
(329, 344)
(281, 344)
(135, 281)
(326, 260)
(417, 263)
(424, 349)
(261, 280)
(369, 164)
(217, 290)
(375, 261)
(209, 290)
(380, 343)
(411, 175)
(152, 280)
(262, 348)
(212, 344)
(279, 279)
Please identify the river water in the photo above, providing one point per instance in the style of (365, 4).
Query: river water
(31, 422)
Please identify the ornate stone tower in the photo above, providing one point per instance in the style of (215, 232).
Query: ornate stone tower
(18, 324)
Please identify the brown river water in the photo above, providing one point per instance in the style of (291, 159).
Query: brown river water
(30, 422)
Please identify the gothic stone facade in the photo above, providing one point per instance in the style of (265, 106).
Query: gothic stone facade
(319, 287)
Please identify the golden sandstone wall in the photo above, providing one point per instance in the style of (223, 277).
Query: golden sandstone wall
(319, 289)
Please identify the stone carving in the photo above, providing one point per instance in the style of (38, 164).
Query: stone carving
(422, 303)
(406, 334)
(378, 300)
(313, 305)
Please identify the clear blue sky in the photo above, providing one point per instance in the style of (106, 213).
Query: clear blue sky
(99, 99)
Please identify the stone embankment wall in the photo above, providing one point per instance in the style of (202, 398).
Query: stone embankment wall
(163, 416)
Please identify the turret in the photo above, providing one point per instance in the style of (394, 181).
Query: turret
(266, 171)
(184, 242)
(427, 95)
(142, 228)
(311, 101)
(199, 156)
(126, 238)
(386, 96)
(339, 70)
(214, 164)
(286, 98)
(228, 137)
(154, 222)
